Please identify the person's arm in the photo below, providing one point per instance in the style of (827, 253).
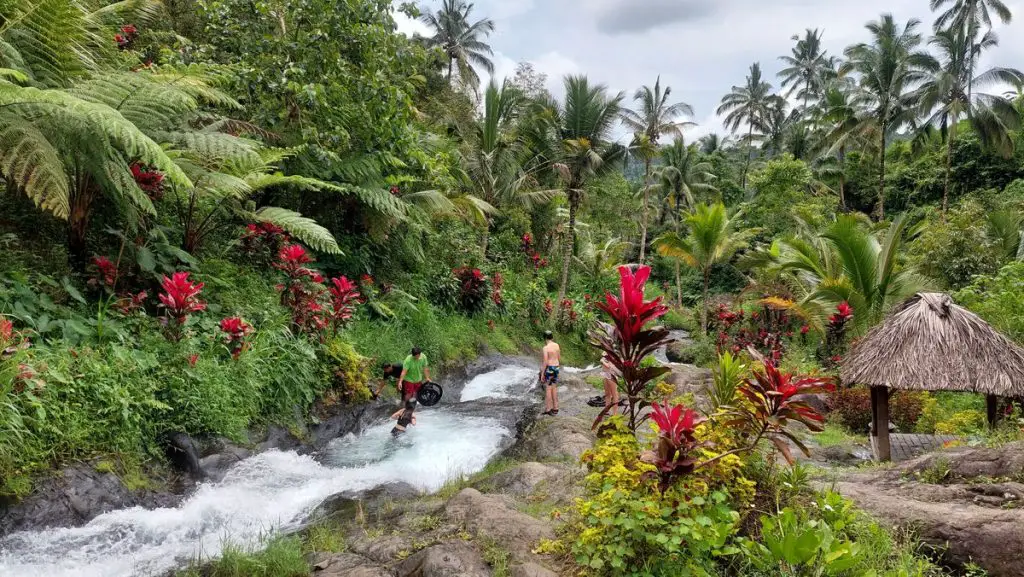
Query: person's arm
(383, 383)
(397, 414)
(401, 378)
(543, 365)
(413, 422)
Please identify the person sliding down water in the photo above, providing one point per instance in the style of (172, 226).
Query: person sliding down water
(415, 371)
(549, 373)
(405, 417)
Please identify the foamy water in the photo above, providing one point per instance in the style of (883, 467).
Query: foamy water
(269, 492)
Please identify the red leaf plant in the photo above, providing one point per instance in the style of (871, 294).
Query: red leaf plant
(235, 331)
(344, 297)
(629, 342)
(772, 403)
(263, 241)
(104, 273)
(180, 298)
(674, 454)
(149, 180)
(835, 334)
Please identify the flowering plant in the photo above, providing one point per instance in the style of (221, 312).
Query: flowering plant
(629, 342)
(473, 290)
(263, 240)
(235, 331)
(104, 273)
(180, 298)
(126, 37)
(149, 180)
(302, 292)
(835, 334)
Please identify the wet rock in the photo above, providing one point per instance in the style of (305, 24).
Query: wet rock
(525, 479)
(279, 438)
(182, 452)
(531, 570)
(338, 422)
(679, 352)
(346, 506)
(217, 465)
(73, 497)
(557, 438)
(348, 565)
(490, 516)
(453, 559)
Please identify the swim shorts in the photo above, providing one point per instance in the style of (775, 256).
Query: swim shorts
(551, 375)
(410, 389)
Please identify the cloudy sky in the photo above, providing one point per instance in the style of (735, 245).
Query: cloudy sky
(699, 47)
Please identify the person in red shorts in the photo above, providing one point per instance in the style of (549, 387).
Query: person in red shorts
(415, 372)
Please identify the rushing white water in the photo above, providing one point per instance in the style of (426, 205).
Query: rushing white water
(504, 383)
(269, 492)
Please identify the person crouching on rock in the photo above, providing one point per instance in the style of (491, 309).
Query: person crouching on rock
(390, 371)
(415, 372)
(405, 417)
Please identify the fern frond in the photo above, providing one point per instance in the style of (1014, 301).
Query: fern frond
(32, 165)
(215, 148)
(301, 227)
(139, 12)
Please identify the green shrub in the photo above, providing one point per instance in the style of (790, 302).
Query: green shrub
(349, 372)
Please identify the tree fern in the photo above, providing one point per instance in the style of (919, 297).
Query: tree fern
(302, 228)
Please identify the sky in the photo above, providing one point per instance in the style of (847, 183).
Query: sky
(701, 48)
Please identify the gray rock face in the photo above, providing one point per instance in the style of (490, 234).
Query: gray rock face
(348, 565)
(971, 521)
(558, 438)
(490, 516)
(532, 570)
(184, 454)
(524, 479)
(73, 497)
(452, 559)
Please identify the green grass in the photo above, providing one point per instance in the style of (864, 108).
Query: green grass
(458, 482)
(323, 538)
(282, 557)
(836, 435)
(497, 557)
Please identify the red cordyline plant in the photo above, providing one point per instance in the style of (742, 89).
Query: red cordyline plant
(770, 406)
(263, 241)
(835, 334)
(302, 292)
(235, 331)
(149, 180)
(473, 291)
(674, 454)
(180, 298)
(629, 341)
(104, 273)
(344, 298)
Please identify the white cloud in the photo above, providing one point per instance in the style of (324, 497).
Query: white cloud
(411, 26)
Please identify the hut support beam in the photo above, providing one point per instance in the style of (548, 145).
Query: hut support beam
(880, 423)
(992, 406)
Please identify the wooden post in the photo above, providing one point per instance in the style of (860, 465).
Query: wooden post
(992, 406)
(880, 422)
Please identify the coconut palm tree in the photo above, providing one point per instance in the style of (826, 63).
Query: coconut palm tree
(574, 138)
(461, 40)
(842, 122)
(713, 143)
(970, 15)
(747, 104)
(712, 238)
(888, 69)
(946, 96)
(655, 117)
(682, 176)
(806, 69)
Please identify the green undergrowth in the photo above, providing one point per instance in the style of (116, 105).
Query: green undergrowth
(457, 481)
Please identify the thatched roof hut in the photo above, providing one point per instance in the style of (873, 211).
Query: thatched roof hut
(930, 344)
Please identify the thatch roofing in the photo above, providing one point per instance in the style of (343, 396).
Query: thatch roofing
(929, 343)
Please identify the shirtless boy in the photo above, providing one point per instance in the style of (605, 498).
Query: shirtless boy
(549, 373)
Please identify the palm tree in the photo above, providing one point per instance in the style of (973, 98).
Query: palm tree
(712, 239)
(842, 122)
(806, 69)
(849, 262)
(712, 143)
(598, 262)
(654, 118)
(461, 40)
(747, 104)
(682, 175)
(888, 69)
(574, 139)
(776, 126)
(946, 96)
(969, 15)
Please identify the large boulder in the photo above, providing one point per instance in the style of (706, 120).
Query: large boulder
(531, 570)
(452, 559)
(491, 517)
(970, 517)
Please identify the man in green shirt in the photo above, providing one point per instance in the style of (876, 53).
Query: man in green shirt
(415, 372)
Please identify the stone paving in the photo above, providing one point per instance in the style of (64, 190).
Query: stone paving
(905, 446)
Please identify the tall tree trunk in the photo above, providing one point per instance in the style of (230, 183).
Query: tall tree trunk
(842, 178)
(451, 61)
(949, 166)
(570, 241)
(750, 150)
(881, 177)
(704, 303)
(486, 238)
(679, 282)
(643, 223)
